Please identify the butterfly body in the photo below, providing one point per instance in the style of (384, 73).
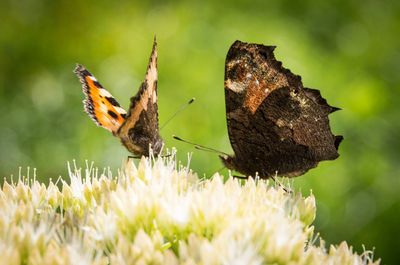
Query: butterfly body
(138, 128)
(275, 125)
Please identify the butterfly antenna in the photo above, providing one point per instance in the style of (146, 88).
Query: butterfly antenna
(199, 147)
(181, 108)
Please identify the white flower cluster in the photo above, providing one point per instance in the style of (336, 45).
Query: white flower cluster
(157, 214)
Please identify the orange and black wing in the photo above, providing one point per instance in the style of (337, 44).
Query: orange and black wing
(99, 104)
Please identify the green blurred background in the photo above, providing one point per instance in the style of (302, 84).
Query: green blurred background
(348, 49)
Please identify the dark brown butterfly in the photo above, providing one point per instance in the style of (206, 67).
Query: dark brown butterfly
(276, 126)
(138, 129)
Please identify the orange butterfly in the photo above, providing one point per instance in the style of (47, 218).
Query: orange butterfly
(138, 129)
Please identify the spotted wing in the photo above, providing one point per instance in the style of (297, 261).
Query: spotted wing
(275, 125)
(99, 104)
(140, 128)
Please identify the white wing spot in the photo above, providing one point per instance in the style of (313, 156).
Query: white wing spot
(104, 93)
(280, 123)
(92, 77)
(152, 73)
(120, 110)
(154, 97)
(235, 86)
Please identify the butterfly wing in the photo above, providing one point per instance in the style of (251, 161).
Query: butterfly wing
(99, 104)
(140, 129)
(275, 125)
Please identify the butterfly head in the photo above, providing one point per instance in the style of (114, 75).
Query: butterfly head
(157, 145)
(142, 144)
(228, 161)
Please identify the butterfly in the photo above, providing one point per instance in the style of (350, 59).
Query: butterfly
(276, 126)
(138, 128)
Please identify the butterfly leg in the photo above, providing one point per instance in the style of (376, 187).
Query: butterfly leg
(279, 184)
(137, 157)
(133, 157)
(240, 177)
(286, 189)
